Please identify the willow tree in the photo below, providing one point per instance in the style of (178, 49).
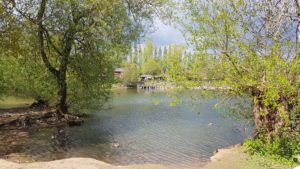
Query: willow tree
(256, 43)
(79, 41)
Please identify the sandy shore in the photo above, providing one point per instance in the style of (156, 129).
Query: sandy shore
(228, 158)
(73, 163)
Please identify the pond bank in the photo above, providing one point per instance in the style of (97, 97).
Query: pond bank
(167, 86)
(236, 158)
(73, 163)
(24, 117)
(233, 157)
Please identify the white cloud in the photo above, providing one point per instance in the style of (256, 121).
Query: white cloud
(166, 34)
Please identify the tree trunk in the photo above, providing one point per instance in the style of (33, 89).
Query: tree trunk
(60, 74)
(257, 116)
(62, 78)
(62, 94)
(268, 120)
(264, 118)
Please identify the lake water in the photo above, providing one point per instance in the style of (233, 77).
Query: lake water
(139, 128)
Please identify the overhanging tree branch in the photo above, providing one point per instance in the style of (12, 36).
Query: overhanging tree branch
(233, 63)
(227, 36)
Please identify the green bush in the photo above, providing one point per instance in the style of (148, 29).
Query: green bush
(131, 74)
(284, 148)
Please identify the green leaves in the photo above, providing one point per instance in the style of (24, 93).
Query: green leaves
(131, 74)
(82, 40)
(282, 148)
(176, 70)
(26, 78)
(151, 67)
(251, 46)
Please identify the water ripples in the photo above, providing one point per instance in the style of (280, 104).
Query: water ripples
(135, 130)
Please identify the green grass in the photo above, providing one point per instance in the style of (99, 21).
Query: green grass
(11, 102)
(237, 158)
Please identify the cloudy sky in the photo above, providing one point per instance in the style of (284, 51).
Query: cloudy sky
(165, 34)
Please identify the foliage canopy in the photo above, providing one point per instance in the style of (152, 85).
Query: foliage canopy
(77, 42)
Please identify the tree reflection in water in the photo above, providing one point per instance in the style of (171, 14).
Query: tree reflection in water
(60, 141)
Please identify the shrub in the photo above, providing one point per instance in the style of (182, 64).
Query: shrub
(284, 147)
